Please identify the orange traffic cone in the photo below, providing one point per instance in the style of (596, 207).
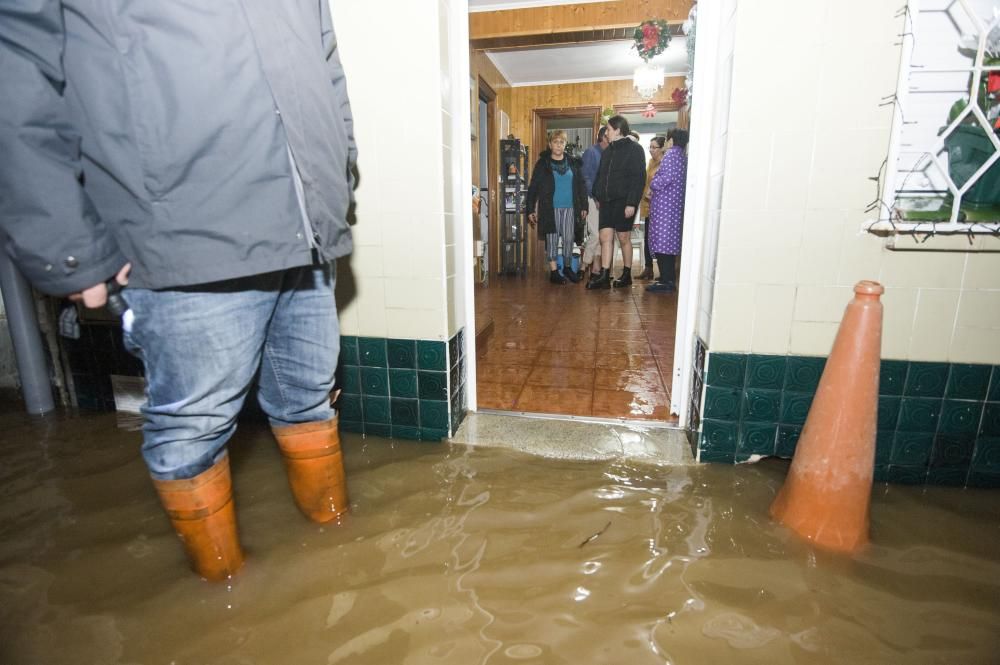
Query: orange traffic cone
(827, 493)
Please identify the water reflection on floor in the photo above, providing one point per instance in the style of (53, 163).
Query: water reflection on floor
(462, 555)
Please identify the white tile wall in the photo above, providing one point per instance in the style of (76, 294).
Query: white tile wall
(405, 193)
(806, 135)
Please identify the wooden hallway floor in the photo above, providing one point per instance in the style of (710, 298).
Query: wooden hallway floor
(565, 350)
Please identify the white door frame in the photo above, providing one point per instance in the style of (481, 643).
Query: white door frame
(709, 123)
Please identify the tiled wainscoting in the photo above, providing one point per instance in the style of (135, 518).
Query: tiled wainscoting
(402, 388)
(938, 423)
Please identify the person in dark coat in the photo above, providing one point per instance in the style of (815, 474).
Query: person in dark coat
(618, 190)
(557, 201)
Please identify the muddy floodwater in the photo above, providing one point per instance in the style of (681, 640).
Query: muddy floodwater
(466, 555)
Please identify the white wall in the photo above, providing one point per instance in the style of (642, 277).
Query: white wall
(806, 135)
(403, 212)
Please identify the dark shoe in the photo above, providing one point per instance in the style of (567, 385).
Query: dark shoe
(600, 281)
(625, 279)
(556, 278)
(570, 275)
(646, 274)
(579, 275)
(661, 287)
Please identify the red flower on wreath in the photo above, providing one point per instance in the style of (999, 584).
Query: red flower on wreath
(651, 38)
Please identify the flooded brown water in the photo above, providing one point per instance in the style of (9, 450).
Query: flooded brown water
(459, 555)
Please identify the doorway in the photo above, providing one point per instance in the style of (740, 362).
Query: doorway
(534, 326)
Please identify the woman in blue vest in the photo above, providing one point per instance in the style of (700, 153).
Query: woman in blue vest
(557, 201)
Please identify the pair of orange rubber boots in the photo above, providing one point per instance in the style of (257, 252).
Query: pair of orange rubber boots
(201, 508)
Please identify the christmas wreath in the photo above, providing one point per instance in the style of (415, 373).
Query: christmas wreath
(651, 38)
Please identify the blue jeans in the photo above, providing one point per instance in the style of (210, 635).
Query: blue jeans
(202, 347)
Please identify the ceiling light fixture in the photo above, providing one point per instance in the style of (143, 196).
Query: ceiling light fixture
(647, 79)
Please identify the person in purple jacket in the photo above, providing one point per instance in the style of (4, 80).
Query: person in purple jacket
(666, 210)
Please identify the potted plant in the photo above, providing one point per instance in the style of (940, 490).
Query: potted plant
(969, 146)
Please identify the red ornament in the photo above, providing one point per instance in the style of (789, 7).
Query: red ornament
(649, 111)
(993, 82)
(679, 95)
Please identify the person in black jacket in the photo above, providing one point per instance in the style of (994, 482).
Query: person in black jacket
(557, 201)
(618, 189)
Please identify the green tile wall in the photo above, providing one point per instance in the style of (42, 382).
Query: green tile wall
(402, 388)
(938, 423)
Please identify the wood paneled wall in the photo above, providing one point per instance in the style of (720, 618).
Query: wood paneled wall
(570, 18)
(481, 67)
(519, 103)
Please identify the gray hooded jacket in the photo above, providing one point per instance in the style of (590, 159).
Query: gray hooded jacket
(161, 132)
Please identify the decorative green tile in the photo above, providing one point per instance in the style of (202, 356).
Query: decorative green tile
(912, 448)
(431, 355)
(907, 475)
(372, 351)
(795, 407)
(968, 382)
(350, 378)
(953, 450)
(403, 383)
(919, 415)
(726, 369)
(453, 373)
(757, 438)
(411, 433)
(766, 371)
(892, 377)
(722, 403)
(960, 417)
(881, 474)
(355, 426)
(349, 350)
(402, 353)
(991, 420)
(376, 411)
(719, 436)
(994, 393)
(378, 429)
(986, 456)
(432, 385)
(926, 380)
(717, 456)
(350, 408)
(983, 479)
(461, 343)
(432, 434)
(405, 412)
(433, 415)
(453, 351)
(948, 476)
(375, 381)
(883, 445)
(788, 437)
(761, 405)
(802, 373)
(888, 411)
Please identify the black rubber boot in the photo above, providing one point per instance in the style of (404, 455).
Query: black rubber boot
(571, 275)
(601, 281)
(625, 279)
(556, 277)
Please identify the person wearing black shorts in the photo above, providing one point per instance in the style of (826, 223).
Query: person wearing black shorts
(618, 190)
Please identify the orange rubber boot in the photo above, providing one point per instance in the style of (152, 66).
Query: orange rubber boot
(315, 468)
(202, 513)
(827, 493)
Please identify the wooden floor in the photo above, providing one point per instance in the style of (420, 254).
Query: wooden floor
(566, 350)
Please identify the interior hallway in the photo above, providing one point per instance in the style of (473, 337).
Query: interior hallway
(565, 350)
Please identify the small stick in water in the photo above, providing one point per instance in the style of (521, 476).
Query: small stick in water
(594, 537)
